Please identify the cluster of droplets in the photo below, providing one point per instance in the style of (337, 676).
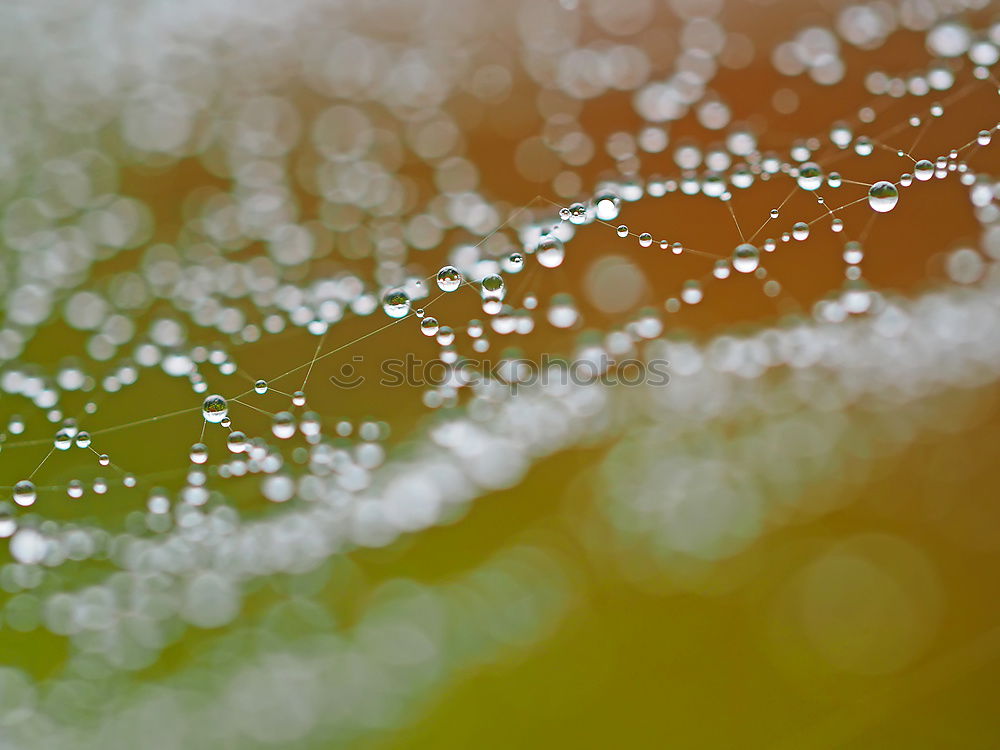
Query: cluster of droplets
(546, 245)
(808, 175)
(306, 276)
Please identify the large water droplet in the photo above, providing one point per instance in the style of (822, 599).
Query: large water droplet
(214, 408)
(283, 425)
(810, 176)
(236, 442)
(550, 251)
(429, 326)
(199, 453)
(24, 492)
(746, 257)
(449, 279)
(607, 206)
(883, 196)
(492, 287)
(396, 303)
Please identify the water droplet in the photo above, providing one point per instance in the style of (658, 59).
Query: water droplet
(691, 293)
(75, 489)
(800, 230)
(513, 263)
(840, 135)
(746, 257)
(449, 278)
(8, 524)
(24, 493)
(562, 312)
(810, 176)
(214, 408)
(607, 206)
(429, 326)
(396, 303)
(645, 239)
(445, 336)
(283, 425)
(853, 253)
(83, 440)
(310, 426)
(550, 251)
(299, 398)
(260, 387)
(199, 453)
(492, 287)
(63, 439)
(883, 196)
(622, 231)
(104, 459)
(236, 442)
(158, 503)
(774, 213)
(923, 170)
